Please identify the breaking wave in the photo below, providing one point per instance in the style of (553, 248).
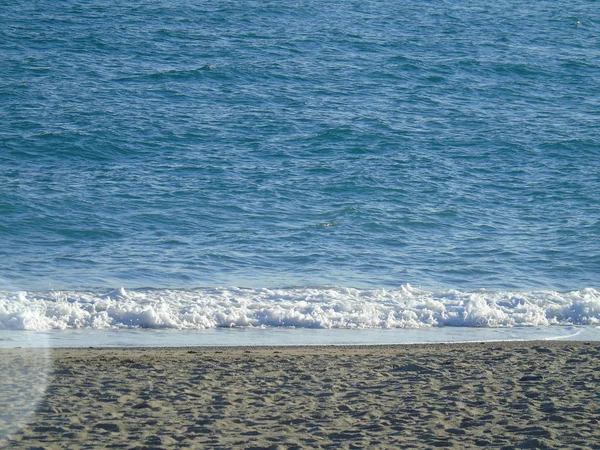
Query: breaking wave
(205, 308)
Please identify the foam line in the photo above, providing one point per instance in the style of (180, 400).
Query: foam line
(339, 307)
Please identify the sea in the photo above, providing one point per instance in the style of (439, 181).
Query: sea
(261, 172)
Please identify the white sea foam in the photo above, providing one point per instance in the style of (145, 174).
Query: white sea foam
(406, 307)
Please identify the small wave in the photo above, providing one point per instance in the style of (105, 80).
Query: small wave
(349, 308)
(169, 74)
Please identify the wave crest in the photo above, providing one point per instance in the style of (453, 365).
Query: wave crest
(339, 307)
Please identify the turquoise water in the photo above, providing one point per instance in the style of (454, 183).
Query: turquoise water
(261, 144)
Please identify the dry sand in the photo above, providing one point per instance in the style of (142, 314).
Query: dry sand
(501, 395)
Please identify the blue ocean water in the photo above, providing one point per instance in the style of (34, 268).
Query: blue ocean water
(387, 155)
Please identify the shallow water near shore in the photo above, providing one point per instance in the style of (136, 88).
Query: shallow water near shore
(227, 337)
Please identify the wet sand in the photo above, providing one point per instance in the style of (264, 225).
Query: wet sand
(497, 395)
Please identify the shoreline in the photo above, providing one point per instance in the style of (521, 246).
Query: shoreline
(504, 394)
(233, 337)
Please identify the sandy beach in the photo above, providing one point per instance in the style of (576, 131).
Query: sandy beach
(496, 395)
